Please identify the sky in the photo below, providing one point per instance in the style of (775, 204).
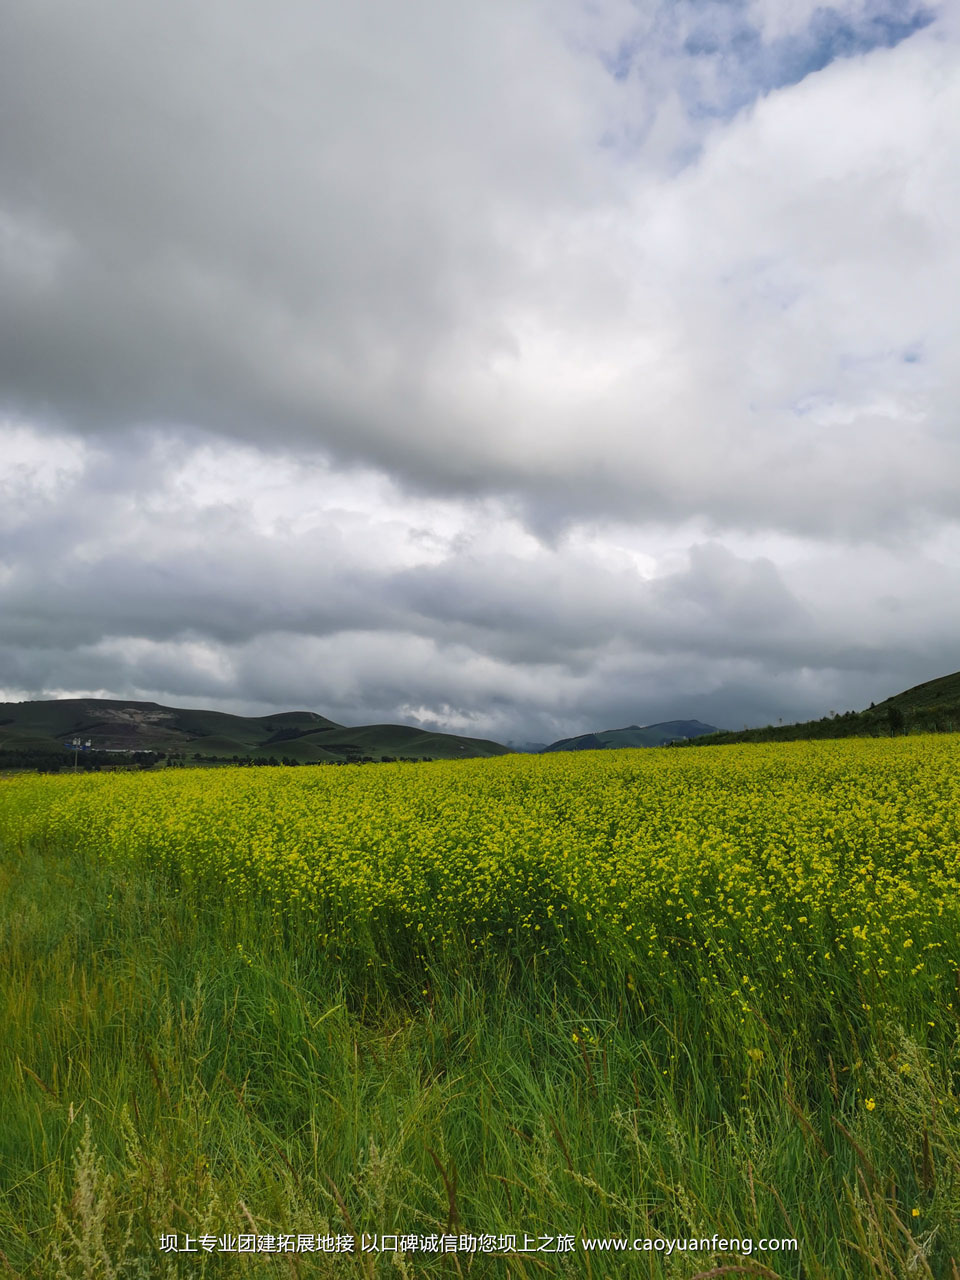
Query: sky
(517, 369)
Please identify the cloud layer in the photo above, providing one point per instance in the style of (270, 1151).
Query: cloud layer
(525, 370)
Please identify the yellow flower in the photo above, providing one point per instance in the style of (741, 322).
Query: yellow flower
(870, 1104)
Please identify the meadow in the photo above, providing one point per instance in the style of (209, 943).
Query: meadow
(646, 994)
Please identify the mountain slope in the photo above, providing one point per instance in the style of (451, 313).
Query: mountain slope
(121, 726)
(931, 707)
(651, 735)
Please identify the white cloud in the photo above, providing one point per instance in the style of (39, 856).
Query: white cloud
(187, 585)
(487, 360)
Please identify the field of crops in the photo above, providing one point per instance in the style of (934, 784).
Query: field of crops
(750, 953)
(768, 863)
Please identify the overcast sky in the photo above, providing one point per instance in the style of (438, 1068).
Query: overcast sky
(517, 368)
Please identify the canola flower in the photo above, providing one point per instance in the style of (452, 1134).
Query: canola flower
(766, 866)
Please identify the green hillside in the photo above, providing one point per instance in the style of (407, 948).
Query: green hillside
(931, 707)
(650, 735)
(121, 727)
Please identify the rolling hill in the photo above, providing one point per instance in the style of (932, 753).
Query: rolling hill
(119, 726)
(40, 729)
(931, 707)
(650, 735)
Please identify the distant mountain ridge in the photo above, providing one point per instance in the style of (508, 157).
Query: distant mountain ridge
(634, 735)
(41, 728)
(120, 725)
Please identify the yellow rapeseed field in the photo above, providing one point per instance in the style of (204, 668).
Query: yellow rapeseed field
(617, 993)
(758, 863)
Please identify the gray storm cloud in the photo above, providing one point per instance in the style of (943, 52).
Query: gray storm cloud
(293, 589)
(512, 368)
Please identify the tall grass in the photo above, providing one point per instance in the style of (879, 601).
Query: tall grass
(177, 1060)
(161, 1074)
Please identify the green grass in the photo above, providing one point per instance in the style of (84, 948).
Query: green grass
(166, 1066)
